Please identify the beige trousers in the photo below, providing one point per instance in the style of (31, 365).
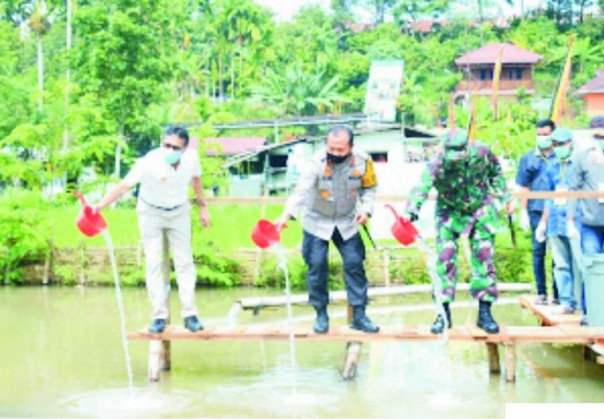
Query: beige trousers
(176, 224)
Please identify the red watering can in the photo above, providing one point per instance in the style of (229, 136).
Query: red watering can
(266, 234)
(403, 230)
(90, 223)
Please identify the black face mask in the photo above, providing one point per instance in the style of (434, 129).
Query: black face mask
(336, 159)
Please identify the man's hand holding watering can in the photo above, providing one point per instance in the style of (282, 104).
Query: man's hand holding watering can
(362, 218)
(510, 207)
(281, 222)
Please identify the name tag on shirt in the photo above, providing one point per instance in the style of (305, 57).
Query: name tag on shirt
(560, 202)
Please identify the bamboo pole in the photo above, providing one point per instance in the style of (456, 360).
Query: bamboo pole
(160, 354)
(353, 353)
(47, 263)
(493, 354)
(386, 254)
(510, 362)
(166, 360)
(82, 262)
(266, 200)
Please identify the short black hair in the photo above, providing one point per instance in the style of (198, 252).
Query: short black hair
(338, 130)
(180, 132)
(546, 123)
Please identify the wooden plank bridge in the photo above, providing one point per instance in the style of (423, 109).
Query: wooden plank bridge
(508, 334)
(561, 329)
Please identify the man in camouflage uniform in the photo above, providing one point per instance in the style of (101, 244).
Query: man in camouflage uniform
(468, 179)
(335, 194)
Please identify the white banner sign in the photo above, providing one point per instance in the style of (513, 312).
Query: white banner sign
(383, 89)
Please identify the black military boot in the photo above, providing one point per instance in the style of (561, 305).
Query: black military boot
(439, 324)
(322, 321)
(361, 322)
(485, 320)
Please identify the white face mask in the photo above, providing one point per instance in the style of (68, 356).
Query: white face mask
(171, 156)
(544, 142)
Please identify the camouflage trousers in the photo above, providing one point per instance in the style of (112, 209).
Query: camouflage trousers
(480, 228)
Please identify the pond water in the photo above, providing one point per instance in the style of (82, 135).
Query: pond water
(62, 356)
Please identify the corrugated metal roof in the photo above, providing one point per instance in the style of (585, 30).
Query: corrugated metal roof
(594, 85)
(488, 55)
(230, 146)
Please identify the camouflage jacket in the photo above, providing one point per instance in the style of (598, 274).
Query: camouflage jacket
(463, 186)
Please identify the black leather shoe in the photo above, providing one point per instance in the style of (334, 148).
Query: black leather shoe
(322, 321)
(193, 324)
(361, 322)
(485, 320)
(157, 326)
(439, 324)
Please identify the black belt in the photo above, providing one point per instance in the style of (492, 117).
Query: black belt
(161, 208)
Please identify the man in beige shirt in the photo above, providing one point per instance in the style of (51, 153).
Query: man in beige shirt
(164, 175)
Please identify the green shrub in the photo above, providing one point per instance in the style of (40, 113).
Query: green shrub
(213, 268)
(21, 211)
(271, 276)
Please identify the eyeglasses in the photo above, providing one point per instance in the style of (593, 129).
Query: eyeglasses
(172, 147)
(556, 144)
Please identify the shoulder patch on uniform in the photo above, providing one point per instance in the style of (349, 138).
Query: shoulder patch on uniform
(369, 179)
(362, 155)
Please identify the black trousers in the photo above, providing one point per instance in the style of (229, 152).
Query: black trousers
(315, 252)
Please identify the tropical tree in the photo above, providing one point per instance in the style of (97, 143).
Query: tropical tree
(123, 63)
(298, 92)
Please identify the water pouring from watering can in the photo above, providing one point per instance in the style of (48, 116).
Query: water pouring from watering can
(405, 233)
(89, 221)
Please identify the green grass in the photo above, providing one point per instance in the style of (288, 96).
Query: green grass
(231, 227)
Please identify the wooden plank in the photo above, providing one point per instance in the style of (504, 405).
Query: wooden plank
(255, 303)
(546, 313)
(403, 198)
(509, 334)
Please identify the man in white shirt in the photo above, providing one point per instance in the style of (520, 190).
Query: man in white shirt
(163, 206)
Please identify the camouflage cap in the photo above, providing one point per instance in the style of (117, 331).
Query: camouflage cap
(455, 139)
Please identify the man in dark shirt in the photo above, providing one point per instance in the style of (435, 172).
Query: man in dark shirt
(531, 178)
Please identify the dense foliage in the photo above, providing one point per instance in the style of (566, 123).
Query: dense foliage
(83, 94)
(95, 93)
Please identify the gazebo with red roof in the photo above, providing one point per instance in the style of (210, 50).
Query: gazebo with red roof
(592, 94)
(478, 67)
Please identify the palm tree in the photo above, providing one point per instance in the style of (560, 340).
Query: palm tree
(39, 22)
(298, 92)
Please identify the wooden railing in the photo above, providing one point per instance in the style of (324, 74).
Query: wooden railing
(402, 198)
